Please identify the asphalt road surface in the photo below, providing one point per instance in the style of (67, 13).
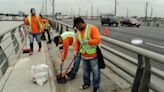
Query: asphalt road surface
(153, 37)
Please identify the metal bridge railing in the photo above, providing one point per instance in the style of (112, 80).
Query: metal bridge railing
(11, 44)
(146, 76)
(137, 71)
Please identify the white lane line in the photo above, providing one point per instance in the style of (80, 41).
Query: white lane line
(141, 29)
(117, 28)
(162, 47)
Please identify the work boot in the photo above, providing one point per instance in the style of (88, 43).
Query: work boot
(30, 53)
(49, 42)
(85, 86)
(43, 37)
(70, 75)
(39, 49)
(96, 90)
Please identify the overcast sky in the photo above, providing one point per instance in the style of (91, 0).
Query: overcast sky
(135, 7)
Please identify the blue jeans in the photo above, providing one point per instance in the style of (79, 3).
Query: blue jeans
(88, 66)
(76, 65)
(37, 37)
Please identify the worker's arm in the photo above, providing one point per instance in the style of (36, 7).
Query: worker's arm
(95, 36)
(26, 21)
(65, 49)
(76, 46)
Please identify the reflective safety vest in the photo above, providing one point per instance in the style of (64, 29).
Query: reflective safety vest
(46, 25)
(30, 23)
(86, 48)
(69, 34)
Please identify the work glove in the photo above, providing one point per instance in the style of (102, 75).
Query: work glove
(61, 47)
(75, 54)
(85, 41)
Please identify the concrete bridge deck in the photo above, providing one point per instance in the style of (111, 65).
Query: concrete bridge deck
(18, 78)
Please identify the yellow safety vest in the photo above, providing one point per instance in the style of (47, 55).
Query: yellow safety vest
(69, 34)
(86, 48)
(45, 25)
(30, 23)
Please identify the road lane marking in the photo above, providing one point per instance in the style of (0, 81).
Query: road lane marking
(154, 45)
(141, 29)
(117, 28)
(137, 41)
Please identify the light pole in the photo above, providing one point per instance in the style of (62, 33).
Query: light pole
(127, 13)
(115, 12)
(71, 13)
(53, 9)
(79, 11)
(151, 14)
(146, 11)
(42, 8)
(97, 13)
(45, 7)
(87, 13)
(91, 11)
(91, 8)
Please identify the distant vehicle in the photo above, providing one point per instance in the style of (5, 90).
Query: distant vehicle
(109, 19)
(130, 22)
(58, 16)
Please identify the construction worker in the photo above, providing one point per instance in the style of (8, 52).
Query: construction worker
(35, 29)
(87, 38)
(46, 29)
(68, 39)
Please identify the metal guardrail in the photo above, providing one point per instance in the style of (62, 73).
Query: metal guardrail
(11, 18)
(141, 74)
(142, 81)
(11, 44)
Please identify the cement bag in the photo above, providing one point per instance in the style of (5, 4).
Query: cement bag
(39, 74)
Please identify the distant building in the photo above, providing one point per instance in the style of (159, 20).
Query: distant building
(21, 13)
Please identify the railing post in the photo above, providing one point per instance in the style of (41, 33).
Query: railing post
(61, 29)
(139, 73)
(25, 31)
(3, 62)
(54, 25)
(57, 28)
(15, 41)
(1, 38)
(21, 34)
(67, 28)
(145, 82)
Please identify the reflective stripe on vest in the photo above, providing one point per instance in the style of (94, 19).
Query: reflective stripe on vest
(64, 35)
(86, 48)
(30, 23)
